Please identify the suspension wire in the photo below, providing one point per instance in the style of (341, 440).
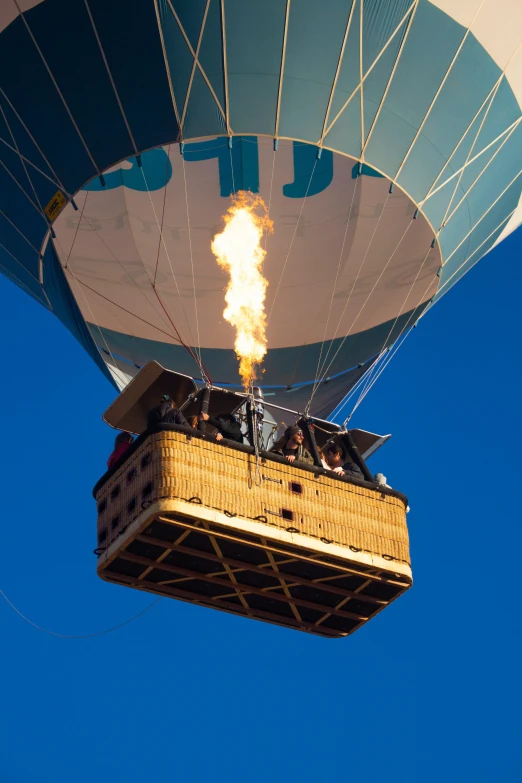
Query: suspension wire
(377, 375)
(366, 300)
(120, 307)
(270, 194)
(198, 349)
(167, 164)
(66, 265)
(95, 322)
(333, 290)
(371, 370)
(231, 163)
(164, 317)
(353, 390)
(323, 372)
(350, 296)
(125, 328)
(162, 242)
(183, 342)
(384, 348)
(81, 289)
(133, 281)
(292, 241)
(404, 331)
(79, 636)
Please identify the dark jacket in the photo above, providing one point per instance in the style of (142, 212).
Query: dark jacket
(228, 428)
(353, 470)
(301, 454)
(164, 414)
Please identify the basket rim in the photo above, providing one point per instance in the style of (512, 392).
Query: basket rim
(247, 449)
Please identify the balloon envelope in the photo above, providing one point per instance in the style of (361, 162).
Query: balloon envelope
(385, 139)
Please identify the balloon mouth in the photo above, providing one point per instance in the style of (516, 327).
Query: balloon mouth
(344, 263)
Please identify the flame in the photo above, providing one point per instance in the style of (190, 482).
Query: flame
(238, 250)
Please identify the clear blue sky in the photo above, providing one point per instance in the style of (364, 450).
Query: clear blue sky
(428, 691)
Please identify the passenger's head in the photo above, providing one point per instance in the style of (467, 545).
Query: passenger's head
(123, 437)
(334, 454)
(294, 435)
(166, 399)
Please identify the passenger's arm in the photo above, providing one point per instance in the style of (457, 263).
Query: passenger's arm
(181, 420)
(351, 469)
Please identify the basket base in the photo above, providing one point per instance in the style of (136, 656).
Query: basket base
(179, 550)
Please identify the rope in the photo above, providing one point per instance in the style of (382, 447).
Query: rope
(376, 377)
(384, 349)
(307, 409)
(162, 241)
(80, 636)
(167, 163)
(367, 376)
(81, 288)
(270, 194)
(393, 351)
(291, 242)
(231, 163)
(192, 267)
(350, 296)
(324, 374)
(133, 281)
(352, 391)
(182, 341)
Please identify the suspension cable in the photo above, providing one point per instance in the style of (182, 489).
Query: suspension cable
(384, 347)
(321, 373)
(333, 291)
(393, 351)
(198, 349)
(291, 242)
(190, 350)
(324, 372)
(126, 272)
(81, 289)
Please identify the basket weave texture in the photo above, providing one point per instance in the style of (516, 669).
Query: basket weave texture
(173, 465)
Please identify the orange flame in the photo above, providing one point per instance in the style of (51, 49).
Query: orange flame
(238, 250)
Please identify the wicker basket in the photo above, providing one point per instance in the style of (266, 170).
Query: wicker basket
(187, 517)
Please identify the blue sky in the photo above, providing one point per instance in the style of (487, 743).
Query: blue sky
(428, 691)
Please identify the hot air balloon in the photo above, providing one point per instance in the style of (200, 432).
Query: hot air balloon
(383, 138)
